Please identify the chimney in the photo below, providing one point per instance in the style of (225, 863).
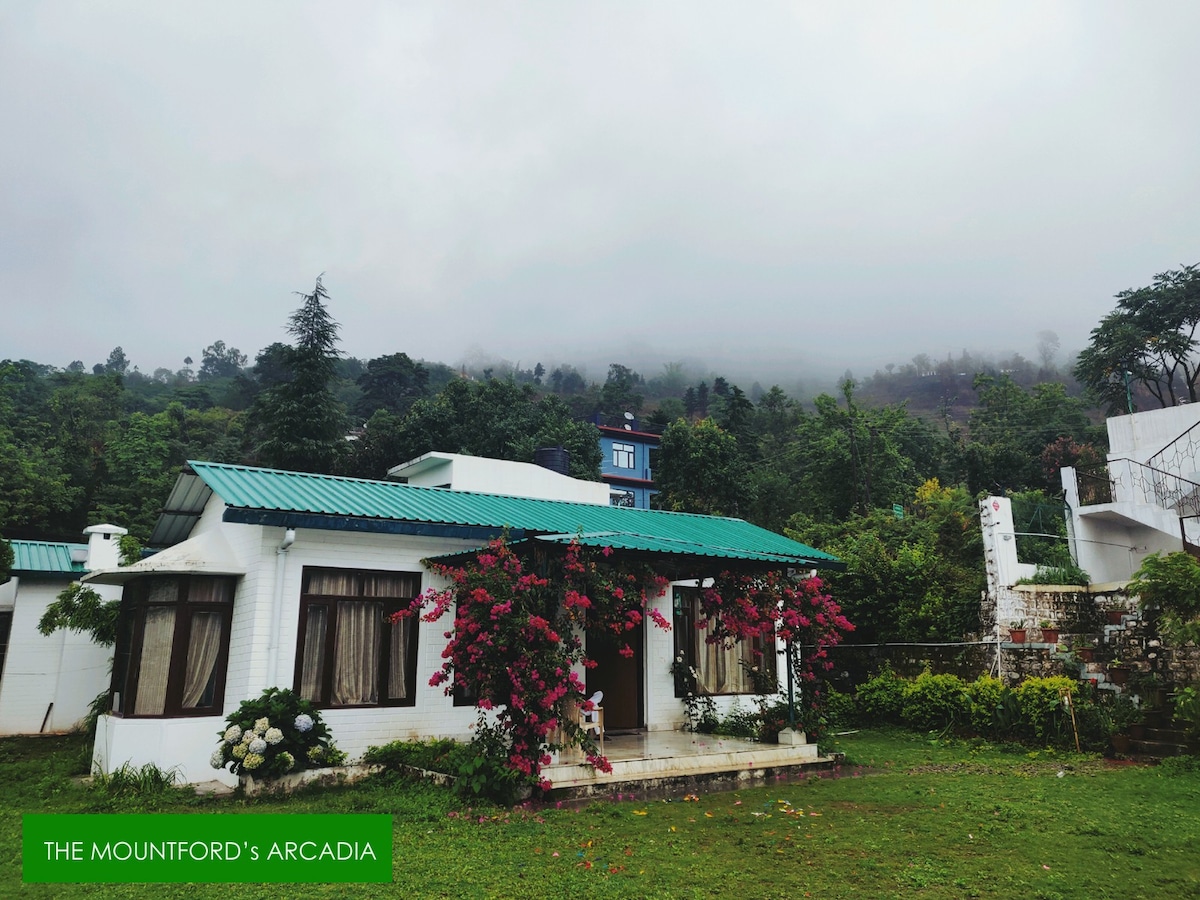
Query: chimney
(103, 551)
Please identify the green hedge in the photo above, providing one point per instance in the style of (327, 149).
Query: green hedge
(1033, 712)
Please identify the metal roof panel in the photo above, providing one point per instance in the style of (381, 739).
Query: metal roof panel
(46, 557)
(249, 488)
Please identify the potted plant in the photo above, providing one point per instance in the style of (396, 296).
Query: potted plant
(1017, 631)
(1086, 653)
(1115, 616)
(1049, 631)
(1118, 716)
(1118, 671)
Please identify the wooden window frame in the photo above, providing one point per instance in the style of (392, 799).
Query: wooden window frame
(688, 638)
(131, 625)
(391, 605)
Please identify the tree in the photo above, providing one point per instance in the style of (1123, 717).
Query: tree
(1011, 427)
(219, 361)
(1150, 340)
(911, 579)
(497, 419)
(303, 425)
(392, 383)
(619, 393)
(1047, 346)
(6, 559)
(700, 470)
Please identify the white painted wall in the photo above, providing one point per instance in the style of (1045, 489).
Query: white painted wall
(498, 476)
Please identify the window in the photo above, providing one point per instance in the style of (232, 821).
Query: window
(621, 498)
(349, 653)
(623, 455)
(718, 669)
(172, 646)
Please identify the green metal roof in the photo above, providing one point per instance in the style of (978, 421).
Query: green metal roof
(44, 557)
(269, 496)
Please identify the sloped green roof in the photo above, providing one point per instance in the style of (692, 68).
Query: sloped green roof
(45, 557)
(269, 496)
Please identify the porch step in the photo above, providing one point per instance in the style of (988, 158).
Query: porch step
(665, 761)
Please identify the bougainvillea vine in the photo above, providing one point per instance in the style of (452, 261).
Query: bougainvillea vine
(515, 643)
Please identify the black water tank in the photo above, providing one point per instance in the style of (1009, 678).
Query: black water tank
(556, 459)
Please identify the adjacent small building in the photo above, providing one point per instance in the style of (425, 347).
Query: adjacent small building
(47, 682)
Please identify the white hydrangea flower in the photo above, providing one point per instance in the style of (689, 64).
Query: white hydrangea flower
(258, 746)
(261, 725)
(304, 722)
(233, 733)
(239, 751)
(217, 760)
(252, 761)
(289, 761)
(247, 736)
(273, 735)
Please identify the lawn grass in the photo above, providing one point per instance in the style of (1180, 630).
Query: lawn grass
(906, 816)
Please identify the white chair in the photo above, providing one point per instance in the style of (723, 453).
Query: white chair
(593, 719)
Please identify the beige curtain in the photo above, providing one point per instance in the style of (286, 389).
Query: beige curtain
(210, 589)
(356, 653)
(395, 585)
(312, 670)
(398, 660)
(332, 583)
(204, 645)
(154, 665)
(720, 670)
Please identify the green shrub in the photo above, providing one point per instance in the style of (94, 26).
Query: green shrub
(1045, 720)
(881, 699)
(484, 772)
(273, 735)
(437, 755)
(935, 701)
(840, 709)
(986, 694)
(1187, 710)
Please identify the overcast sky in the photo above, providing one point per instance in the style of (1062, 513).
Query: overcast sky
(834, 184)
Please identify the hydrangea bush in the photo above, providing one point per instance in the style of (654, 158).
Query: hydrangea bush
(273, 735)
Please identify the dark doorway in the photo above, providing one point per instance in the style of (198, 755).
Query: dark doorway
(620, 677)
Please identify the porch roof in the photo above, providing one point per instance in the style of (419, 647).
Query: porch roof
(304, 500)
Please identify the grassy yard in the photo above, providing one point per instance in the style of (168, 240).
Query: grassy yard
(905, 817)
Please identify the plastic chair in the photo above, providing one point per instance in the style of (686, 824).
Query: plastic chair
(593, 719)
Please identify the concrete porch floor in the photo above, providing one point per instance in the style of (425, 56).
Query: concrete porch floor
(663, 761)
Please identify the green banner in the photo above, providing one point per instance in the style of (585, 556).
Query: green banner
(207, 848)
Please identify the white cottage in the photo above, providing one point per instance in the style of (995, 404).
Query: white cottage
(47, 682)
(287, 579)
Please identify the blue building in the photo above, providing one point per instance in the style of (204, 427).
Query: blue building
(628, 453)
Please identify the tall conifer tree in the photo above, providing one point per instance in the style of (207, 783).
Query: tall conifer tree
(303, 424)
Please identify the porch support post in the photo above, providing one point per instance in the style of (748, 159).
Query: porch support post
(791, 690)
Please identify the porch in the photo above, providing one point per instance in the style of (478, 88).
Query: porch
(656, 762)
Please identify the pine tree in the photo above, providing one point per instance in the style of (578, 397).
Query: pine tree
(303, 425)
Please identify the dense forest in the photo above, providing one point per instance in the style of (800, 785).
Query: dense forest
(883, 474)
